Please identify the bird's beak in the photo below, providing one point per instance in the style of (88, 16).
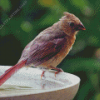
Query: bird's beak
(80, 26)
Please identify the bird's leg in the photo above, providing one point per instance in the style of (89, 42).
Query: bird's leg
(58, 69)
(42, 74)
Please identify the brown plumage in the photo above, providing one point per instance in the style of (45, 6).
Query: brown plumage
(51, 46)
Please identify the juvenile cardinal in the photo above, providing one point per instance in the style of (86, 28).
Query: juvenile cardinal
(50, 47)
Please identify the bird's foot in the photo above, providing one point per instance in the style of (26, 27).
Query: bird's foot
(57, 70)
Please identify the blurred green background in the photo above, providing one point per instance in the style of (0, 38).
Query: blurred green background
(22, 20)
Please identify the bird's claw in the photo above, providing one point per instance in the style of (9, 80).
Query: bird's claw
(42, 75)
(58, 70)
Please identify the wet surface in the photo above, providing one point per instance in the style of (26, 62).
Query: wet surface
(29, 82)
(42, 86)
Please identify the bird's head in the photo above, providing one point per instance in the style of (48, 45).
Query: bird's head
(71, 24)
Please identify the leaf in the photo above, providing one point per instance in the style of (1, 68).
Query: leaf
(82, 64)
(84, 91)
(5, 4)
(94, 78)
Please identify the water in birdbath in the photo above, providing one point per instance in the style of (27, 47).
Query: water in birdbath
(26, 81)
(37, 87)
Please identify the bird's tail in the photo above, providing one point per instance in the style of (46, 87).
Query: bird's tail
(8, 73)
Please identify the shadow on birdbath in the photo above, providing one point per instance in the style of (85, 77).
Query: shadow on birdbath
(27, 84)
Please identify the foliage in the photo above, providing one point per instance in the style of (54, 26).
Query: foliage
(22, 20)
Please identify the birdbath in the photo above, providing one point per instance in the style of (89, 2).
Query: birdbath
(27, 84)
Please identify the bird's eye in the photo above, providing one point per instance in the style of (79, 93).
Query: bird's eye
(71, 24)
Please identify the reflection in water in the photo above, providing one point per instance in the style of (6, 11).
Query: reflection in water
(41, 84)
(13, 87)
(38, 86)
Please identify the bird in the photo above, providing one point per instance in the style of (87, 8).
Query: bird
(49, 47)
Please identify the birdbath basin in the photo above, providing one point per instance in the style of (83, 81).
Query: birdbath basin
(27, 84)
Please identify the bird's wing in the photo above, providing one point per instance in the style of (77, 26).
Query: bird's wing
(43, 51)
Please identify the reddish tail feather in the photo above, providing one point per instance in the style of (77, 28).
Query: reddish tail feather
(8, 73)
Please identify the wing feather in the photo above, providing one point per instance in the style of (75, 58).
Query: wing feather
(44, 51)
